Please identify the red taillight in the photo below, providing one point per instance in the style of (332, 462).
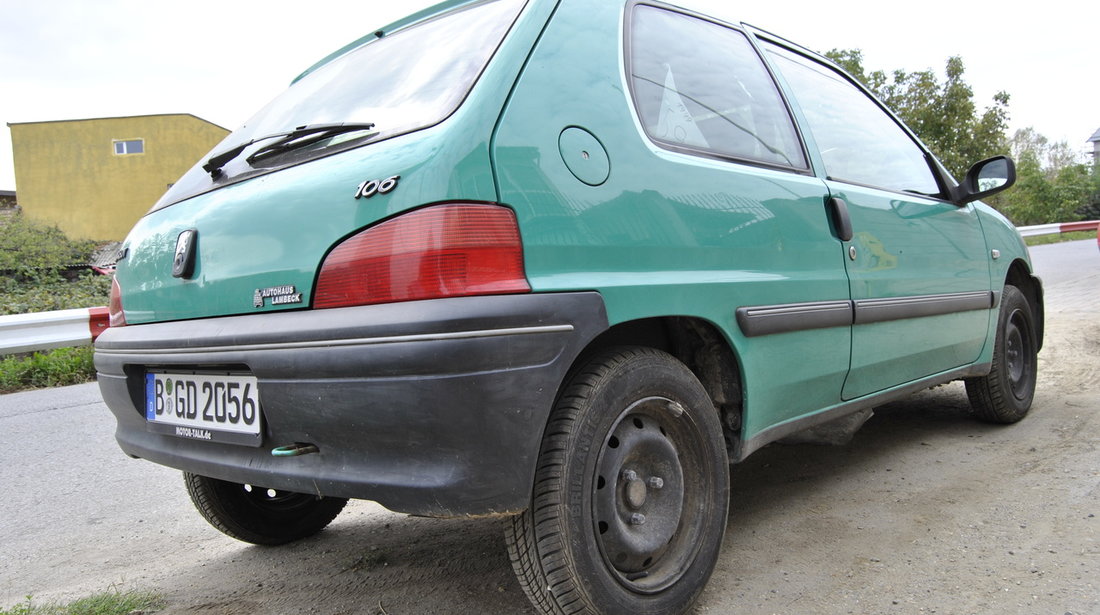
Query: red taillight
(116, 316)
(453, 250)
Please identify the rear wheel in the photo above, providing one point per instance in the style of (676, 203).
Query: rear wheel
(631, 492)
(1005, 395)
(259, 515)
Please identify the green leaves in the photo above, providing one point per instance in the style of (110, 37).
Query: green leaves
(34, 278)
(36, 273)
(53, 293)
(29, 248)
(943, 114)
(1052, 185)
(59, 367)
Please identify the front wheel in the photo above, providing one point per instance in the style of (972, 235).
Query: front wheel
(259, 515)
(1005, 395)
(631, 492)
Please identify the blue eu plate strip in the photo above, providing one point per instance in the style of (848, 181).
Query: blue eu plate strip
(150, 398)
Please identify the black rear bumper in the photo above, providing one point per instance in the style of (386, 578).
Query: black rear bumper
(432, 407)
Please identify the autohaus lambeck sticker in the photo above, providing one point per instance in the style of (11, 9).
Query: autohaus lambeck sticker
(278, 295)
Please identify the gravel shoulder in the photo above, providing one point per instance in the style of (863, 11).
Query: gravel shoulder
(925, 511)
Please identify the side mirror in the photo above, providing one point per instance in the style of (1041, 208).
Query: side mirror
(986, 178)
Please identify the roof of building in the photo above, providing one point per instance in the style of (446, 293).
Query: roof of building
(1095, 136)
(7, 193)
(123, 117)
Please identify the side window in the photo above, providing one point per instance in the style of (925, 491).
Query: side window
(700, 85)
(859, 142)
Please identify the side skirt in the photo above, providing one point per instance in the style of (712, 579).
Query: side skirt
(778, 432)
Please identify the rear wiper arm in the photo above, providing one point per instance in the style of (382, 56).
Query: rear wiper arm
(287, 140)
(302, 138)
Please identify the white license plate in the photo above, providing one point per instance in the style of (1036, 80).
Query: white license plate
(204, 406)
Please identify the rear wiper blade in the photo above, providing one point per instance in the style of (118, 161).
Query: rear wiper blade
(307, 135)
(287, 140)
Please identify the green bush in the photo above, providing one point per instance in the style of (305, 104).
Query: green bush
(52, 368)
(30, 250)
(36, 276)
(86, 290)
(36, 273)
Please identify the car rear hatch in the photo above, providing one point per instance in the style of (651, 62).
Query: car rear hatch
(397, 121)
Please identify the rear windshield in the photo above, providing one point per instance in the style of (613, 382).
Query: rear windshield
(404, 81)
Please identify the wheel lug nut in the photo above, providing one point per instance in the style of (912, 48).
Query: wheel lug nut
(637, 519)
(656, 482)
(630, 475)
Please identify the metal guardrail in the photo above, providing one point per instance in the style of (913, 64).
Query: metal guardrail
(1057, 228)
(46, 330)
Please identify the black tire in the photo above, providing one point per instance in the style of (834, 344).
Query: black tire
(631, 492)
(258, 515)
(1005, 395)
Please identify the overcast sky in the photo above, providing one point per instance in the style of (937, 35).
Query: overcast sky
(221, 60)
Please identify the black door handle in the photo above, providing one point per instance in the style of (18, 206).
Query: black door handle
(842, 222)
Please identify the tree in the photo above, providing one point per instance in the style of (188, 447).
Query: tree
(1052, 184)
(943, 115)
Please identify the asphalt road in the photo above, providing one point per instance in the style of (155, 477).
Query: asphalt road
(925, 511)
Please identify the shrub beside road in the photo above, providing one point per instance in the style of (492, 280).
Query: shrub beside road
(39, 272)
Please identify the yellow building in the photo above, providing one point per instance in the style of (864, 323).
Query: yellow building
(94, 178)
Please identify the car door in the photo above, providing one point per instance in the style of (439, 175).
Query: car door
(917, 264)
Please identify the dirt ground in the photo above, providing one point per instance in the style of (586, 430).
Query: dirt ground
(925, 511)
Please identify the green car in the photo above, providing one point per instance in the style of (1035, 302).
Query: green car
(560, 262)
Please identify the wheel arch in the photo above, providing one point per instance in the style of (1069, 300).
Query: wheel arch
(1020, 276)
(697, 343)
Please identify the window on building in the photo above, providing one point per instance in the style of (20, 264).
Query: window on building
(129, 146)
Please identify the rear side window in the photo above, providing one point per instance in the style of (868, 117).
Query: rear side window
(859, 142)
(701, 86)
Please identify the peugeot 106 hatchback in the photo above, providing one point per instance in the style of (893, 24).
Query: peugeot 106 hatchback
(559, 262)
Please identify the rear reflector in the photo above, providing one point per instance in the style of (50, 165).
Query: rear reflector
(452, 250)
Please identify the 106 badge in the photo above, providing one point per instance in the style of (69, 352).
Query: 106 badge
(372, 187)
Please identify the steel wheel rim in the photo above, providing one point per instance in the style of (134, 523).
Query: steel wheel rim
(646, 529)
(275, 501)
(1018, 355)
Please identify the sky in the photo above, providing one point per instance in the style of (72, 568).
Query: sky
(222, 60)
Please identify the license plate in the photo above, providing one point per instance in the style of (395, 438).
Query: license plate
(204, 406)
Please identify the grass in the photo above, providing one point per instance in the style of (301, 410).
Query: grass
(1045, 239)
(105, 603)
(51, 368)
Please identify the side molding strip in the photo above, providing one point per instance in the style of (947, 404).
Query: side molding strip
(769, 319)
(761, 320)
(901, 308)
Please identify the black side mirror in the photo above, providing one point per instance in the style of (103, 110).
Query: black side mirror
(986, 178)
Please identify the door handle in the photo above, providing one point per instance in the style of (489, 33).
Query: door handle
(842, 222)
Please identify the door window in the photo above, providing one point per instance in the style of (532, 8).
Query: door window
(859, 142)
